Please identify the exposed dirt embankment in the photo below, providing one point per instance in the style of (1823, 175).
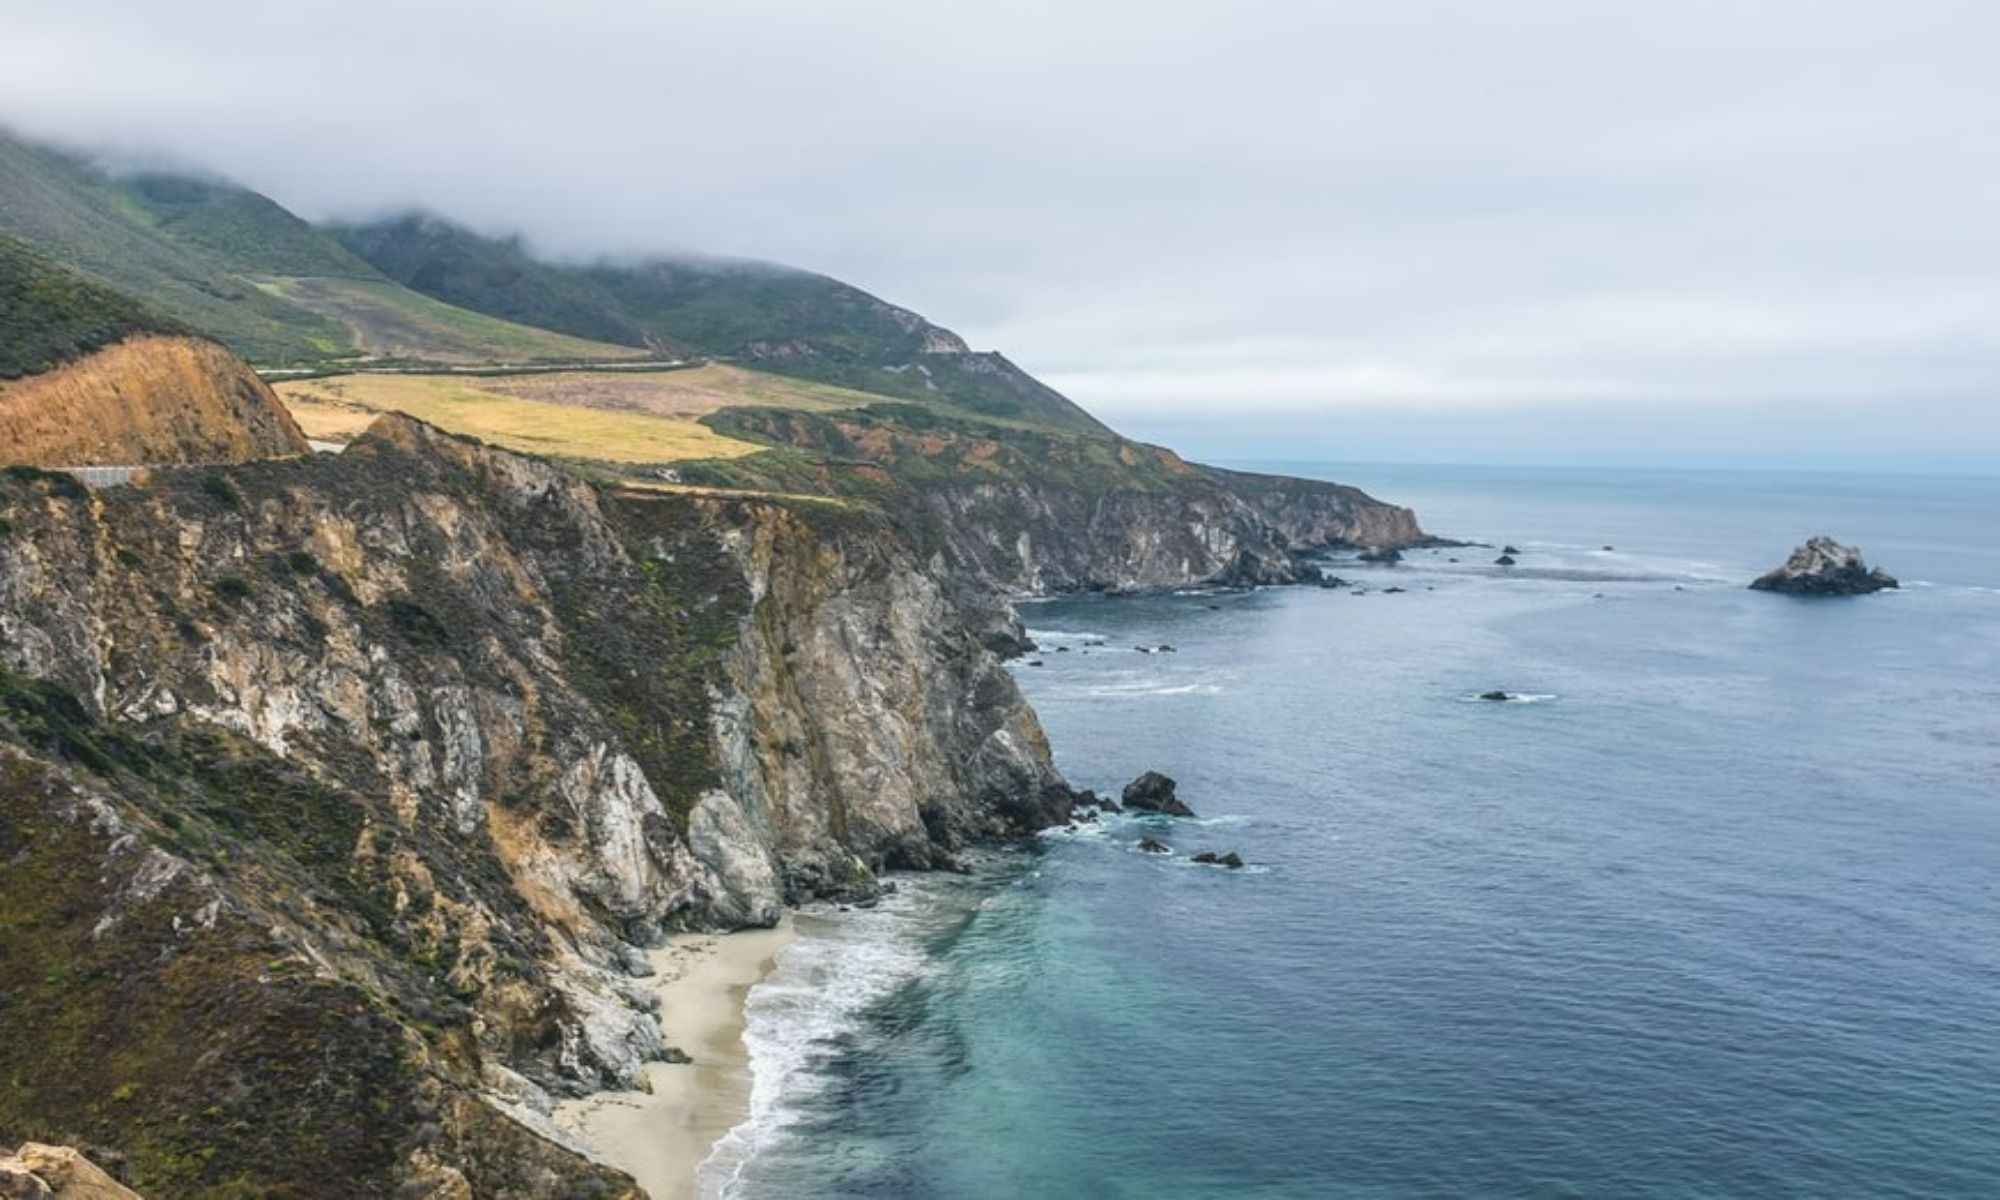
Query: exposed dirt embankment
(148, 399)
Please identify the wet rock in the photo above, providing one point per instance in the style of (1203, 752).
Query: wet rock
(1610, 547)
(1154, 792)
(1153, 846)
(1824, 567)
(1509, 550)
(1166, 649)
(1228, 858)
(1505, 560)
(1495, 696)
(1386, 554)
(1394, 591)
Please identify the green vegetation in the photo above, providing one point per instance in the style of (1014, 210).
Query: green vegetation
(783, 320)
(391, 322)
(236, 266)
(102, 227)
(49, 315)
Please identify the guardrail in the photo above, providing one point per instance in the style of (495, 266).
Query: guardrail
(98, 477)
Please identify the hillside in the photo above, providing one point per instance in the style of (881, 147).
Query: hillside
(91, 376)
(777, 318)
(234, 265)
(49, 316)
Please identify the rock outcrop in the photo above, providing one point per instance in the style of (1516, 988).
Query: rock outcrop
(1154, 792)
(36, 1171)
(399, 754)
(148, 399)
(1824, 567)
(1022, 512)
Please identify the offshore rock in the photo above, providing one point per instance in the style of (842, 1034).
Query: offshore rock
(1154, 792)
(1824, 567)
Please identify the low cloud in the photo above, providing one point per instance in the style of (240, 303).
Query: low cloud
(1309, 221)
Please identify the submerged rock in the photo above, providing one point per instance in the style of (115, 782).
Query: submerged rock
(1824, 567)
(1154, 792)
(1228, 858)
(1510, 550)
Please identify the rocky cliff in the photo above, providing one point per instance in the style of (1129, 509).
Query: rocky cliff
(150, 398)
(339, 793)
(1019, 511)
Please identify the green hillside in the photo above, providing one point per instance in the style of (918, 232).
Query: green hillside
(106, 229)
(238, 267)
(779, 319)
(49, 315)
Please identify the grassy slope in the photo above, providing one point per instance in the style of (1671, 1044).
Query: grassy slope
(232, 264)
(386, 320)
(49, 315)
(784, 320)
(100, 227)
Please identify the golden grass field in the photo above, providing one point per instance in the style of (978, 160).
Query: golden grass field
(624, 417)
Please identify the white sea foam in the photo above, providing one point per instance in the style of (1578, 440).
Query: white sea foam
(1064, 635)
(1153, 687)
(839, 965)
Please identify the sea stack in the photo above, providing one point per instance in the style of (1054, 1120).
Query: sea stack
(1154, 792)
(1824, 567)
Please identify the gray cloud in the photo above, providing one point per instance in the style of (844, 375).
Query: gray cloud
(1294, 226)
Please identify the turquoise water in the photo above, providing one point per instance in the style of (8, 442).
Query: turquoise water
(1716, 914)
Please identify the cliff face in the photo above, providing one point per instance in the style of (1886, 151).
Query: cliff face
(147, 399)
(1020, 511)
(351, 784)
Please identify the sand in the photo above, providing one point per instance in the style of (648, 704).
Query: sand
(661, 1138)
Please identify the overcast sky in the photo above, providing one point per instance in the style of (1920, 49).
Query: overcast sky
(1525, 230)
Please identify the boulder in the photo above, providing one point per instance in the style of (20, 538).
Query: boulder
(1386, 554)
(19, 1183)
(1824, 567)
(1228, 858)
(61, 1172)
(1154, 792)
(1153, 846)
(1505, 560)
(1509, 550)
(1494, 696)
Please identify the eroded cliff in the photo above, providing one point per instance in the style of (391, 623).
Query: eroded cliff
(351, 785)
(1019, 511)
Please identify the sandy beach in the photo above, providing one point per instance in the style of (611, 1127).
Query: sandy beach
(662, 1137)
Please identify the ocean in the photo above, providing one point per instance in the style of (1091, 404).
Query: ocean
(1714, 910)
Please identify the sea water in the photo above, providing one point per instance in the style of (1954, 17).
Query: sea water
(1712, 910)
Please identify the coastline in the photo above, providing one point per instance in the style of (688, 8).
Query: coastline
(662, 1137)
